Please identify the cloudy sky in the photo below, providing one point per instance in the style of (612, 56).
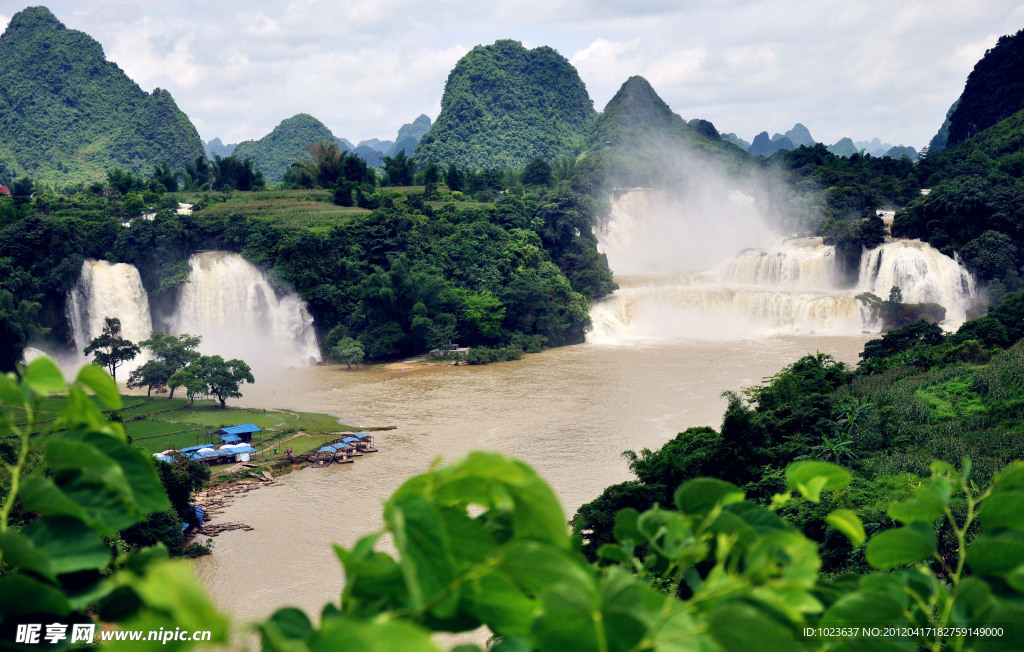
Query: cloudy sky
(864, 68)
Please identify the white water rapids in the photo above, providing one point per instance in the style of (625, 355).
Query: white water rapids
(788, 287)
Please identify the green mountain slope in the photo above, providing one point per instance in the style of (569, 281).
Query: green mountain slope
(644, 143)
(277, 150)
(504, 105)
(994, 90)
(67, 114)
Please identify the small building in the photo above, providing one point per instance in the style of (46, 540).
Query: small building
(237, 434)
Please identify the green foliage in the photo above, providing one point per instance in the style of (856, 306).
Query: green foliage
(504, 105)
(171, 354)
(993, 91)
(18, 325)
(348, 351)
(274, 153)
(211, 374)
(68, 114)
(60, 564)
(109, 349)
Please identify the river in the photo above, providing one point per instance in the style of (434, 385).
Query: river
(569, 412)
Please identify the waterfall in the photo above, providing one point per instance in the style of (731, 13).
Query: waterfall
(108, 290)
(789, 286)
(232, 305)
(921, 273)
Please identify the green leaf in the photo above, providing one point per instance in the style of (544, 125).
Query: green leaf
(378, 636)
(1003, 509)
(569, 620)
(10, 393)
(102, 385)
(810, 478)
(426, 552)
(849, 524)
(43, 376)
(700, 496)
(1015, 578)
(137, 467)
(1012, 476)
(41, 495)
(996, 553)
(21, 553)
(286, 627)
(625, 526)
(924, 507)
(740, 626)
(613, 553)
(69, 543)
(901, 546)
(864, 608)
(21, 594)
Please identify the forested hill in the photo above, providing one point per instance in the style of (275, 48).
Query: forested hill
(994, 90)
(504, 106)
(273, 153)
(645, 143)
(67, 114)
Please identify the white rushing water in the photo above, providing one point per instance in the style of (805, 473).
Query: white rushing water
(231, 304)
(108, 290)
(790, 286)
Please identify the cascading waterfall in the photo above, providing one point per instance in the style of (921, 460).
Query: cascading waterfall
(921, 273)
(108, 290)
(232, 305)
(790, 287)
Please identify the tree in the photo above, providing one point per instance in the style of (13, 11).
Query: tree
(348, 351)
(398, 170)
(455, 179)
(18, 325)
(110, 349)
(172, 353)
(537, 173)
(224, 378)
(211, 374)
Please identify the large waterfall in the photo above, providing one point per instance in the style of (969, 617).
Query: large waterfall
(232, 305)
(108, 290)
(788, 287)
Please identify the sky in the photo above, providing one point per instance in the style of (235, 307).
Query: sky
(866, 68)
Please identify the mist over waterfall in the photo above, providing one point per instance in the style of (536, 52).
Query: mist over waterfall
(745, 281)
(232, 305)
(108, 290)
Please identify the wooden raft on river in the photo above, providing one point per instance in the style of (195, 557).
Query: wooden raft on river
(343, 450)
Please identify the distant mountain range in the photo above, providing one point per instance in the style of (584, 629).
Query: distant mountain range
(799, 136)
(67, 114)
(273, 153)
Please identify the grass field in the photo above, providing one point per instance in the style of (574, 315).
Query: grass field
(290, 208)
(158, 424)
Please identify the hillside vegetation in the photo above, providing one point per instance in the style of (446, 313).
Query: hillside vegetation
(504, 106)
(68, 115)
(273, 153)
(643, 143)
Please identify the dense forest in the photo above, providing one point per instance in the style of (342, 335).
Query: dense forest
(401, 273)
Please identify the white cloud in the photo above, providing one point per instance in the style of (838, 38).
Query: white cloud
(3, 22)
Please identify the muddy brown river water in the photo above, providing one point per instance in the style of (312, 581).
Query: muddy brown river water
(569, 412)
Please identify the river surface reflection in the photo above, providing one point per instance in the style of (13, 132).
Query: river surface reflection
(569, 412)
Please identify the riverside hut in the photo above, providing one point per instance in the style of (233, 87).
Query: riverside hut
(237, 434)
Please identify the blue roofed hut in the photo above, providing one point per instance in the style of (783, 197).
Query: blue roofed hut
(237, 434)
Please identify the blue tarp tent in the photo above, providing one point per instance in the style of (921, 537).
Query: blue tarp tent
(199, 513)
(230, 439)
(244, 431)
(351, 439)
